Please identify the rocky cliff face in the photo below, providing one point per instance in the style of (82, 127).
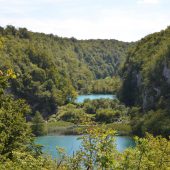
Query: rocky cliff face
(147, 72)
(166, 73)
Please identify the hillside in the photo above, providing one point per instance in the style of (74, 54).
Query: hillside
(51, 70)
(147, 83)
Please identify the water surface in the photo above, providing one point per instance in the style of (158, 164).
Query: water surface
(72, 144)
(81, 98)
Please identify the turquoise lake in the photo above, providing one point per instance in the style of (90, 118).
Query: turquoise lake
(81, 98)
(72, 144)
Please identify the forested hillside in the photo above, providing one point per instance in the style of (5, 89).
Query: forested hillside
(19, 151)
(147, 83)
(51, 70)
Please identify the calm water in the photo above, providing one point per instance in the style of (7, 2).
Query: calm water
(72, 144)
(81, 98)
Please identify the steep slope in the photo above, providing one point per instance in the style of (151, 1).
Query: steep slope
(147, 82)
(51, 69)
(103, 57)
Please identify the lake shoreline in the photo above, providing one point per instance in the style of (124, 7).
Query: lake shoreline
(80, 130)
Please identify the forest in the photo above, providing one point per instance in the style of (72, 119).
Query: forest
(146, 84)
(52, 70)
(40, 78)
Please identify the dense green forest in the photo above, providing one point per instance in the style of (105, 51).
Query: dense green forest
(99, 110)
(51, 70)
(18, 150)
(41, 75)
(146, 84)
(108, 85)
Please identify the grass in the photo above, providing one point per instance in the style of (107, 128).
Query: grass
(68, 128)
(60, 124)
(62, 128)
(121, 128)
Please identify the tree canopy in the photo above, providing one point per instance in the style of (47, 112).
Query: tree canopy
(51, 70)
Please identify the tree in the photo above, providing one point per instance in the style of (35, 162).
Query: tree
(14, 131)
(17, 148)
(38, 125)
(99, 152)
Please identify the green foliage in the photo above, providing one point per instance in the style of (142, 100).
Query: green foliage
(100, 110)
(144, 71)
(71, 113)
(52, 122)
(98, 148)
(24, 160)
(108, 115)
(74, 118)
(149, 153)
(146, 83)
(61, 127)
(14, 131)
(155, 122)
(49, 72)
(123, 129)
(108, 85)
(91, 106)
(38, 125)
(17, 148)
(51, 69)
(99, 152)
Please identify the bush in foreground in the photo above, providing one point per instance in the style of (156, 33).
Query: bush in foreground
(99, 152)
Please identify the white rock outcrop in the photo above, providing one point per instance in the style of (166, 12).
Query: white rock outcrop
(166, 73)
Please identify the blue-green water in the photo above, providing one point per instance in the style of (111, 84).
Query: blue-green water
(81, 98)
(72, 144)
